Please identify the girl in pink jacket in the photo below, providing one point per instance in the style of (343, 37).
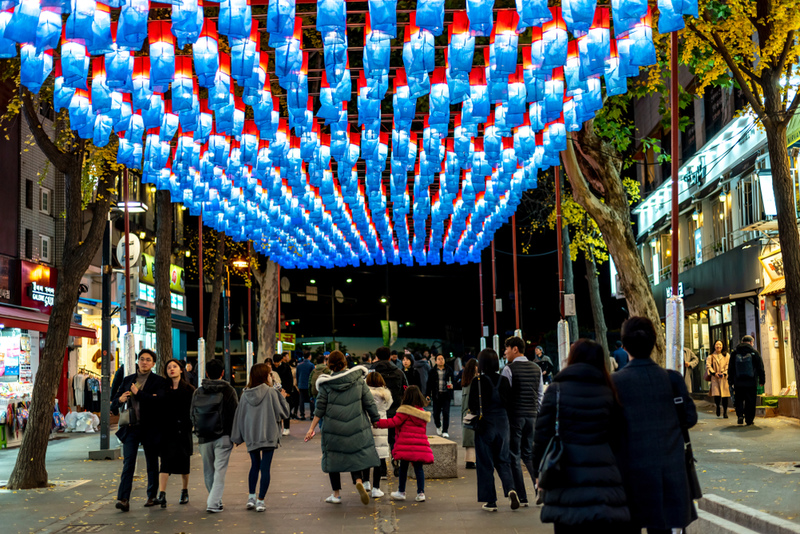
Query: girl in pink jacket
(411, 440)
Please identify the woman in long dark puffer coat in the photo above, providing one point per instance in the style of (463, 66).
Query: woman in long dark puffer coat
(589, 493)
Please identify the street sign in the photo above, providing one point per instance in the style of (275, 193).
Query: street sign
(339, 296)
(134, 252)
(569, 304)
(287, 340)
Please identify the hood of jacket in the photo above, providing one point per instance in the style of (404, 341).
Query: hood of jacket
(383, 398)
(421, 363)
(255, 396)
(344, 379)
(414, 412)
(744, 348)
(214, 386)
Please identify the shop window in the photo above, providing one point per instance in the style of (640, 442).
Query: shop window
(29, 194)
(28, 243)
(44, 200)
(45, 250)
(713, 105)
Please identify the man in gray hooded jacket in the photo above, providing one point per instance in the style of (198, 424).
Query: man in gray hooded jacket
(213, 411)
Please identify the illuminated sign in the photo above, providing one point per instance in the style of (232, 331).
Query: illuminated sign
(773, 263)
(43, 294)
(176, 276)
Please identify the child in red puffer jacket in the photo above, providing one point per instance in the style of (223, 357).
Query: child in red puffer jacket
(411, 441)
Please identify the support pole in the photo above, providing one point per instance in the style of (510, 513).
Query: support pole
(280, 296)
(517, 331)
(201, 342)
(105, 385)
(250, 297)
(480, 282)
(128, 315)
(333, 315)
(674, 306)
(560, 243)
(494, 290)
(226, 317)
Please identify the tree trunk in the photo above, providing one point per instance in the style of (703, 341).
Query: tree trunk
(600, 329)
(162, 278)
(30, 469)
(592, 164)
(569, 282)
(268, 295)
(216, 295)
(788, 235)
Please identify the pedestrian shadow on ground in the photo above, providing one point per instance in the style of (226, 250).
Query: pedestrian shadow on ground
(745, 429)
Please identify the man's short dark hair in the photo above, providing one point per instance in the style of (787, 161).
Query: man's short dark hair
(748, 339)
(147, 351)
(619, 344)
(394, 353)
(516, 341)
(383, 353)
(214, 369)
(638, 337)
(277, 357)
(284, 354)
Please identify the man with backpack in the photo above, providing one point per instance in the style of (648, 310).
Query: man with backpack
(213, 410)
(745, 373)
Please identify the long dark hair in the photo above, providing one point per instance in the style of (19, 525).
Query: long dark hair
(183, 381)
(469, 372)
(488, 362)
(259, 374)
(413, 397)
(590, 352)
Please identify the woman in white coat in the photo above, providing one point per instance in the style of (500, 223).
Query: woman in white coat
(383, 400)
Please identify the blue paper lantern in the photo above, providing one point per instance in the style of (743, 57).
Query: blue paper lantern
(154, 114)
(22, 26)
(503, 43)
(141, 83)
(62, 95)
(628, 9)
(616, 83)
(331, 16)
(383, 16)
(119, 70)
(219, 94)
(280, 17)
(578, 14)
(418, 50)
(34, 67)
(430, 16)
(162, 56)
(80, 110)
(132, 26)
(100, 40)
(103, 126)
(554, 41)
(48, 30)
(245, 55)
(480, 13)
(74, 64)
(235, 18)
(8, 48)
(531, 13)
(205, 53)
(183, 89)
(642, 49)
(187, 21)
(461, 48)
(101, 93)
(288, 53)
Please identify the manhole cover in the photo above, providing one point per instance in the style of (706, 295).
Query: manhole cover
(82, 528)
(783, 468)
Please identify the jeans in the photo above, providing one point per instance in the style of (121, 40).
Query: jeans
(305, 397)
(215, 456)
(745, 402)
(336, 479)
(441, 411)
(520, 448)
(260, 460)
(130, 450)
(491, 449)
(418, 472)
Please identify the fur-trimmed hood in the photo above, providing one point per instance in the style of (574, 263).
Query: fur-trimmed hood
(343, 379)
(414, 412)
(383, 398)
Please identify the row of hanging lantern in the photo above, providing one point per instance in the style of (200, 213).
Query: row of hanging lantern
(269, 178)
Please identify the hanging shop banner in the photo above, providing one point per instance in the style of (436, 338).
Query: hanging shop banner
(286, 340)
(176, 278)
(773, 263)
(389, 329)
(38, 284)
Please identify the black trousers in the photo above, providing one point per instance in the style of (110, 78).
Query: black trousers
(305, 397)
(441, 411)
(745, 402)
(336, 479)
(376, 474)
(520, 447)
(130, 450)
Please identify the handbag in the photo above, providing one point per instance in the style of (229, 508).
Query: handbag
(127, 415)
(471, 420)
(550, 466)
(695, 490)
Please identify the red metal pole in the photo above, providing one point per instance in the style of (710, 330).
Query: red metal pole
(480, 280)
(494, 290)
(560, 248)
(200, 264)
(675, 105)
(279, 300)
(516, 280)
(249, 297)
(128, 317)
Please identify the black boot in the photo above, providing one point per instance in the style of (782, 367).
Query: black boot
(162, 499)
(184, 496)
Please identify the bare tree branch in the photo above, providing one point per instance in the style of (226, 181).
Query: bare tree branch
(787, 46)
(60, 159)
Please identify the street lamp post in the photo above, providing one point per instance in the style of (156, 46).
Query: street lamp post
(226, 318)
(244, 264)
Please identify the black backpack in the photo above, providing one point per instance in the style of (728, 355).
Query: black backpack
(744, 365)
(207, 414)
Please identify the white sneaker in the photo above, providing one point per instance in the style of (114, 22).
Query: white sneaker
(439, 431)
(445, 435)
(377, 493)
(367, 486)
(398, 496)
(333, 499)
(420, 497)
(251, 502)
(285, 432)
(260, 506)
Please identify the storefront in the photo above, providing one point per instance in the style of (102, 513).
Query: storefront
(776, 348)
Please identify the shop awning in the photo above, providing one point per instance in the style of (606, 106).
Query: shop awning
(734, 296)
(28, 319)
(183, 323)
(778, 286)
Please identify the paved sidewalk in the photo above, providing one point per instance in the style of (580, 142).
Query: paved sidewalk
(294, 502)
(749, 473)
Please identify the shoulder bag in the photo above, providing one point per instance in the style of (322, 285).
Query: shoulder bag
(125, 415)
(471, 420)
(550, 466)
(695, 490)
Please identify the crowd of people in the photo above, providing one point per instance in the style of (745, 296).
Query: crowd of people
(603, 450)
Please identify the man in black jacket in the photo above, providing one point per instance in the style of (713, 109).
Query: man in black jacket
(142, 393)
(440, 391)
(527, 390)
(214, 398)
(282, 365)
(745, 372)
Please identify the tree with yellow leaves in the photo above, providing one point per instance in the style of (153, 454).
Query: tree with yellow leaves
(756, 45)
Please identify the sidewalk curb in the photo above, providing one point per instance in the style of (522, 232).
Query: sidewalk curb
(745, 516)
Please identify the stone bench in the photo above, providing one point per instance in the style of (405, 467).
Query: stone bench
(445, 459)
